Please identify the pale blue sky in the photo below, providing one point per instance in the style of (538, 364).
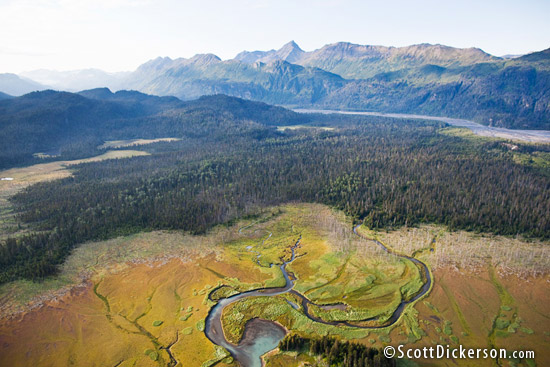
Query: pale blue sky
(117, 35)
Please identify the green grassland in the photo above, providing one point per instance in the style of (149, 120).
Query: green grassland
(332, 266)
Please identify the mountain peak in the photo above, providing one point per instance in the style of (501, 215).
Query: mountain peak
(291, 46)
(160, 60)
(97, 93)
(205, 59)
(156, 64)
(346, 50)
(290, 52)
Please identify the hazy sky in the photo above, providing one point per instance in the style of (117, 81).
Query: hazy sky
(119, 35)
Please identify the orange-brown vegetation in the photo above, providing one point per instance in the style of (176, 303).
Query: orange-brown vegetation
(127, 300)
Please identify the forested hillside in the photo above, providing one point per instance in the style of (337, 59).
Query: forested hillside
(233, 161)
(65, 125)
(4, 96)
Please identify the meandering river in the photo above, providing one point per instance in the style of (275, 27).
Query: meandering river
(261, 336)
(534, 136)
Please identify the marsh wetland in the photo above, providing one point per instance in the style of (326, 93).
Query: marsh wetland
(158, 292)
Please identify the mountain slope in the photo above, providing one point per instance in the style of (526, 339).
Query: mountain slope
(16, 86)
(5, 96)
(74, 125)
(542, 57)
(278, 82)
(425, 79)
(514, 94)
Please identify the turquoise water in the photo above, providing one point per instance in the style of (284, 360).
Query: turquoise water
(260, 337)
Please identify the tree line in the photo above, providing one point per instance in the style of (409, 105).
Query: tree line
(336, 352)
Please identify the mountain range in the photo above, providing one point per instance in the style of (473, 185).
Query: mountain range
(423, 79)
